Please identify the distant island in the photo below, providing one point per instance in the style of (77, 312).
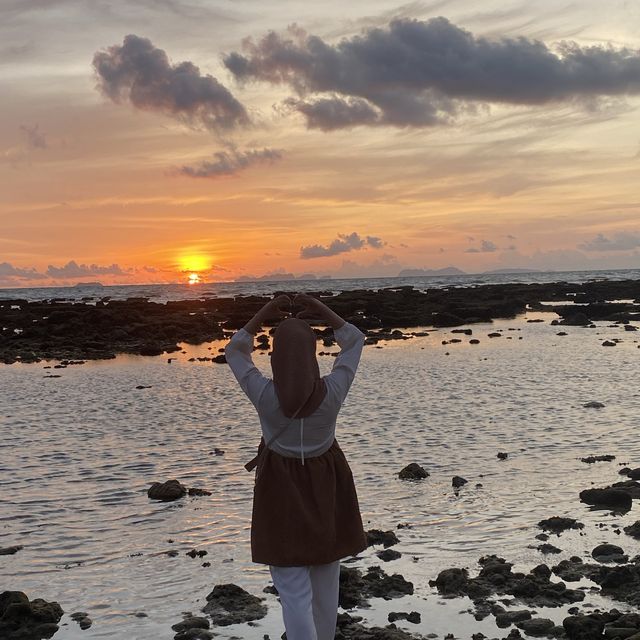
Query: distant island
(447, 271)
(79, 285)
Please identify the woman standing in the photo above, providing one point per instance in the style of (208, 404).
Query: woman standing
(305, 509)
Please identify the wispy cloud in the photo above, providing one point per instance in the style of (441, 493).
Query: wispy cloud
(230, 162)
(415, 73)
(623, 241)
(342, 244)
(486, 246)
(139, 73)
(74, 270)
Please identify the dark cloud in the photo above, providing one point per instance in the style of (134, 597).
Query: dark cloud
(342, 244)
(9, 271)
(623, 241)
(232, 161)
(35, 138)
(415, 73)
(74, 270)
(486, 246)
(141, 74)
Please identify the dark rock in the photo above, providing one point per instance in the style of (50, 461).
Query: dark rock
(194, 491)
(593, 404)
(609, 553)
(502, 455)
(508, 618)
(619, 632)
(584, 627)
(413, 471)
(388, 554)
(458, 481)
(8, 551)
(495, 334)
(548, 548)
(602, 458)
(608, 343)
(451, 581)
(230, 604)
(413, 617)
(576, 320)
(191, 622)
(356, 588)
(536, 626)
(633, 529)
(557, 524)
(611, 498)
(633, 474)
(166, 491)
(21, 619)
(385, 538)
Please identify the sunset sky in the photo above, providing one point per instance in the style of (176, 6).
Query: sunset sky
(144, 141)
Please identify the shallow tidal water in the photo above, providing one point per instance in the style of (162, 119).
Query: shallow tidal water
(78, 452)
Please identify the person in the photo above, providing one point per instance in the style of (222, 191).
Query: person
(305, 509)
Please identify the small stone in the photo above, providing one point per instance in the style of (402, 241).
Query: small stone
(593, 404)
(413, 471)
(458, 481)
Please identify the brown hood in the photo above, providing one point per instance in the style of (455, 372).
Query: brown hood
(296, 375)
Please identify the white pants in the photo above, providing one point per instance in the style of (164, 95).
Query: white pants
(309, 598)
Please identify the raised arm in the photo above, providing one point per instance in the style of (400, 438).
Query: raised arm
(239, 348)
(349, 338)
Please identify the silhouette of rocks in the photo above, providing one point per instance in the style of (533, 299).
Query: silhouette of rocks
(22, 619)
(496, 576)
(230, 604)
(458, 481)
(609, 553)
(601, 458)
(413, 617)
(387, 555)
(557, 524)
(385, 538)
(166, 491)
(413, 471)
(616, 499)
(349, 628)
(633, 529)
(9, 551)
(356, 587)
(71, 331)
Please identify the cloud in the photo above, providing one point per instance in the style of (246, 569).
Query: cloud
(9, 271)
(139, 73)
(415, 73)
(342, 244)
(623, 241)
(74, 270)
(35, 138)
(486, 246)
(229, 162)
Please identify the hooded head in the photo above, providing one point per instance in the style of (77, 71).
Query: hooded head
(296, 375)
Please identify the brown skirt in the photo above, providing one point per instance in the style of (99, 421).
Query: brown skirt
(305, 514)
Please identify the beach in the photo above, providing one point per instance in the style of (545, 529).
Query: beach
(82, 443)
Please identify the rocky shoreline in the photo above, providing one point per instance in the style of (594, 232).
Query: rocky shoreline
(100, 329)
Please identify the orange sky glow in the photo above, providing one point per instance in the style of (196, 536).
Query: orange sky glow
(131, 152)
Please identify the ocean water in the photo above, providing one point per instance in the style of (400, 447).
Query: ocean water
(78, 453)
(163, 292)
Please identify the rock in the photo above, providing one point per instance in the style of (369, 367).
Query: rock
(474, 341)
(557, 524)
(385, 538)
(609, 553)
(495, 334)
(619, 632)
(356, 588)
(191, 622)
(584, 627)
(601, 458)
(508, 618)
(8, 551)
(458, 481)
(536, 626)
(21, 619)
(219, 359)
(576, 320)
(502, 455)
(451, 581)
(194, 634)
(413, 471)
(230, 604)
(388, 554)
(548, 548)
(413, 617)
(194, 491)
(611, 498)
(593, 404)
(633, 474)
(608, 343)
(633, 530)
(166, 491)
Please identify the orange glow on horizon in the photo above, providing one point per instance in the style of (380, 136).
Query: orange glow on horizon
(194, 278)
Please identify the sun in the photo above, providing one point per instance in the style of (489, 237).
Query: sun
(194, 278)
(194, 263)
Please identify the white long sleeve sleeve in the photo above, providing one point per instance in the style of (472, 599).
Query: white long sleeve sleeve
(238, 354)
(351, 341)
